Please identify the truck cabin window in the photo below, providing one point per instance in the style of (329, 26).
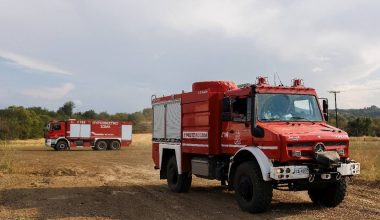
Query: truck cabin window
(56, 127)
(288, 107)
(239, 109)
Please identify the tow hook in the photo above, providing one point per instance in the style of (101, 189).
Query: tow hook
(311, 178)
(338, 176)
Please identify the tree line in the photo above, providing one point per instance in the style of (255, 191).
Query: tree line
(358, 122)
(17, 122)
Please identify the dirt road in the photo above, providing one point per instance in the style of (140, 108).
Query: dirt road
(83, 184)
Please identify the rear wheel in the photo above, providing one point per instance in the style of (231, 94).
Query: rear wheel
(61, 145)
(252, 193)
(177, 182)
(115, 145)
(330, 195)
(101, 145)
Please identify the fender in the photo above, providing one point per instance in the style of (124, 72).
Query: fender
(263, 161)
(62, 138)
(177, 149)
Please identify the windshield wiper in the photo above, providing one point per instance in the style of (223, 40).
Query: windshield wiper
(299, 118)
(270, 119)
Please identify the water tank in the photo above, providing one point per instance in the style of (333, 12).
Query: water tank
(214, 86)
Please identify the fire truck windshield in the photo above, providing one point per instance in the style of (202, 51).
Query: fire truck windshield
(287, 107)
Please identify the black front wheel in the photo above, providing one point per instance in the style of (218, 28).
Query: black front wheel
(177, 182)
(330, 194)
(252, 193)
(61, 145)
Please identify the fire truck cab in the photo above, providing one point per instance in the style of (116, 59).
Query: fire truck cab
(253, 138)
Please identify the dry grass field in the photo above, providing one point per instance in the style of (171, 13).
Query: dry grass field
(39, 183)
(366, 150)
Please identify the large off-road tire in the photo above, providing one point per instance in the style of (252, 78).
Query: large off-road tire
(178, 183)
(330, 195)
(114, 145)
(252, 193)
(61, 145)
(101, 145)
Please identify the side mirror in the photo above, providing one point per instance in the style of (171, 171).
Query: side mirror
(325, 110)
(257, 131)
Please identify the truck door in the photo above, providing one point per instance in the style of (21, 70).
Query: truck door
(57, 129)
(236, 131)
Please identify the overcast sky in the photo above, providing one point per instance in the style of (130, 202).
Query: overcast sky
(113, 55)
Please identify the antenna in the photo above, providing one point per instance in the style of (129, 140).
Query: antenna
(279, 79)
(274, 76)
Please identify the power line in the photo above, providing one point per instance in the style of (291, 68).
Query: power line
(355, 90)
(336, 107)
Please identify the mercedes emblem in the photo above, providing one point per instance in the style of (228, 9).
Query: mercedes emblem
(320, 147)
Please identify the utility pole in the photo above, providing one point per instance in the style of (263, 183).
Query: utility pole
(336, 107)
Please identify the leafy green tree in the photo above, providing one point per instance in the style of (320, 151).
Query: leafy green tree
(103, 116)
(90, 114)
(148, 114)
(376, 127)
(66, 111)
(120, 117)
(359, 126)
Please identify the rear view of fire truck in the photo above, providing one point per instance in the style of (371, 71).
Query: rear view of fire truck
(253, 138)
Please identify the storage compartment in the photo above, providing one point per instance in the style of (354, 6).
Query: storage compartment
(167, 121)
(80, 130)
(203, 167)
(126, 132)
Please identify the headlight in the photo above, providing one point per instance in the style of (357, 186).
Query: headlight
(340, 152)
(296, 154)
(279, 170)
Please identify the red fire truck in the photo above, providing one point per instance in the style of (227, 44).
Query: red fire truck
(100, 135)
(253, 138)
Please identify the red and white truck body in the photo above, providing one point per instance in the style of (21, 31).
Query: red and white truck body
(100, 135)
(229, 133)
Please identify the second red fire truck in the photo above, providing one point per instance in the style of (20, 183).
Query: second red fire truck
(253, 138)
(99, 135)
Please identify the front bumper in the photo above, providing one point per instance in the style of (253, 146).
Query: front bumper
(303, 172)
(50, 142)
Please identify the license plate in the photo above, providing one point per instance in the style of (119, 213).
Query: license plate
(301, 170)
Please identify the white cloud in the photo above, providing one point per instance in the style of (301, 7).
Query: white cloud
(168, 44)
(359, 94)
(234, 18)
(49, 93)
(31, 63)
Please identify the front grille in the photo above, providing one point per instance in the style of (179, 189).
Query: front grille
(312, 144)
(334, 143)
(301, 144)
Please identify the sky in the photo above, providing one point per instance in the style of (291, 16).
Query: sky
(114, 55)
